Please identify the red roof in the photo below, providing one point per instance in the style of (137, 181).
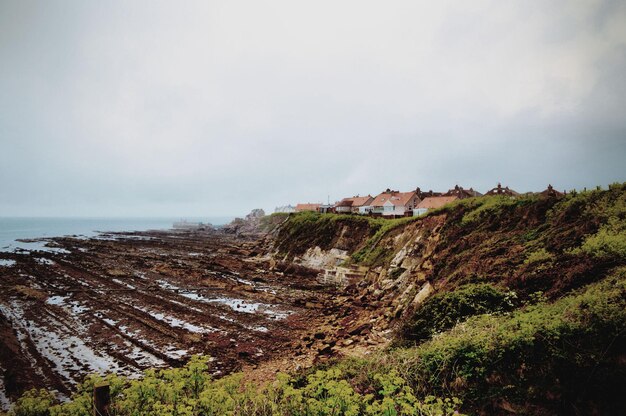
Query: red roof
(433, 202)
(355, 201)
(396, 198)
(461, 193)
(499, 190)
(551, 192)
(307, 207)
(359, 201)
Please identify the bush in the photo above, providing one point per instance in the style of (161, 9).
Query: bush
(492, 206)
(189, 391)
(372, 254)
(539, 256)
(564, 353)
(444, 310)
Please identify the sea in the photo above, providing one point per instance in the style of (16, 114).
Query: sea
(15, 228)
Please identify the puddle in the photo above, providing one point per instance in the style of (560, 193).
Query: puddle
(177, 323)
(237, 305)
(170, 350)
(70, 357)
(56, 300)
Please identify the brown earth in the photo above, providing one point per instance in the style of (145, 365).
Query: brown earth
(126, 302)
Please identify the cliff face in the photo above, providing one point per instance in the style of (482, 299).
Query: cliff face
(526, 244)
(515, 305)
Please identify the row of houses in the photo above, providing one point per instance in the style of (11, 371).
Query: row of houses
(394, 204)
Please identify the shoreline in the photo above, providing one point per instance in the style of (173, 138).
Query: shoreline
(131, 301)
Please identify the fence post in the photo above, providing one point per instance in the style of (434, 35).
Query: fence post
(101, 399)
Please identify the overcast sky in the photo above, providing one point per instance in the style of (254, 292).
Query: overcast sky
(117, 108)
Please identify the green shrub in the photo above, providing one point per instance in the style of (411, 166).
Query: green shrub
(372, 254)
(563, 349)
(539, 256)
(444, 310)
(190, 391)
(608, 242)
(492, 206)
(34, 403)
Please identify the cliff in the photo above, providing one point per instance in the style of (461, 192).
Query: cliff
(528, 244)
(519, 261)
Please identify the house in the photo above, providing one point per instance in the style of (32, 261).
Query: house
(424, 194)
(355, 205)
(550, 192)
(344, 206)
(285, 209)
(432, 202)
(361, 204)
(461, 193)
(394, 203)
(307, 207)
(499, 190)
(326, 208)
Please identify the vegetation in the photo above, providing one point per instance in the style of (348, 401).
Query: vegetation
(490, 206)
(539, 256)
(357, 234)
(444, 310)
(190, 391)
(372, 253)
(559, 357)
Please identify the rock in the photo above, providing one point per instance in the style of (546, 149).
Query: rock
(361, 329)
(248, 225)
(326, 349)
(424, 292)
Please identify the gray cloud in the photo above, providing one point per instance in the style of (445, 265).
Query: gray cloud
(213, 108)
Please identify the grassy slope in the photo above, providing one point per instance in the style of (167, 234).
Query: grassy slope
(559, 258)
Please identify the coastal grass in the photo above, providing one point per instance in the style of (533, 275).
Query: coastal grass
(372, 254)
(567, 349)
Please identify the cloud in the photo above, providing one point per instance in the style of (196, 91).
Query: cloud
(212, 108)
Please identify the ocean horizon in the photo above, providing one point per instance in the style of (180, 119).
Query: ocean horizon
(15, 228)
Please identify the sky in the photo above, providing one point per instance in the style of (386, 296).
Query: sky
(208, 108)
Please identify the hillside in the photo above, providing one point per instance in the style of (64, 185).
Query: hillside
(532, 270)
(510, 306)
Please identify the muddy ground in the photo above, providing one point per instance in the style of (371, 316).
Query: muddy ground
(127, 302)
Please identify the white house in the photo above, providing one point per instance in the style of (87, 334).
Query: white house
(394, 203)
(285, 209)
(356, 205)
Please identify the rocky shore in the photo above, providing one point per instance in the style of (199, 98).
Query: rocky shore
(124, 302)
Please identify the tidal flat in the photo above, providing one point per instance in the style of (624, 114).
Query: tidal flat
(124, 302)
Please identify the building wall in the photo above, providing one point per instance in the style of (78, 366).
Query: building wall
(390, 209)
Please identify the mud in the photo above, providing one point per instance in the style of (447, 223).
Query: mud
(127, 302)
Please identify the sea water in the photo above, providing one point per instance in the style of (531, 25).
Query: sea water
(14, 228)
